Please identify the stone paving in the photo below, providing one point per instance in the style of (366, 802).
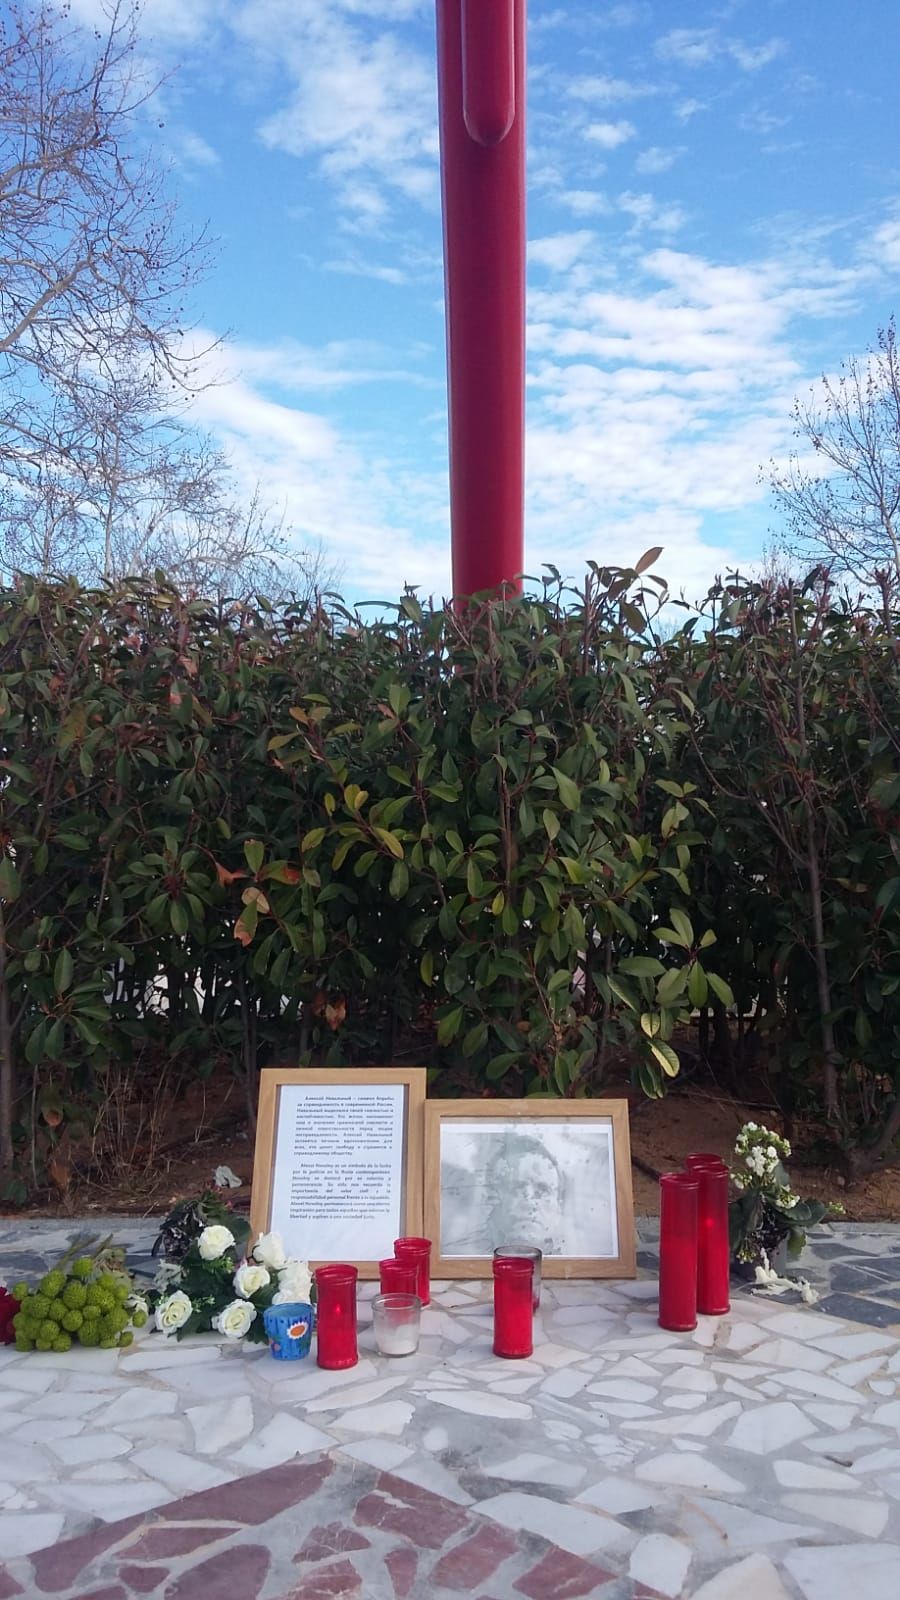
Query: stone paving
(755, 1459)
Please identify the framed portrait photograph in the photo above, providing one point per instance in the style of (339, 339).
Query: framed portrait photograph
(551, 1173)
(338, 1164)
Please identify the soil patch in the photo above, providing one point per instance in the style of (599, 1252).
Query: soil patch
(175, 1156)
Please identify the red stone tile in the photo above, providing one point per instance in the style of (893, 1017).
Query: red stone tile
(430, 1531)
(142, 1579)
(8, 1585)
(403, 1565)
(331, 1539)
(337, 1578)
(160, 1542)
(561, 1576)
(58, 1566)
(235, 1574)
(476, 1559)
(254, 1499)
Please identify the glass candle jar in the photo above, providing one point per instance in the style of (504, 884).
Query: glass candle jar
(678, 1250)
(524, 1252)
(418, 1251)
(395, 1319)
(713, 1250)
(513, 1307)
(398, 1277)
(336, 1317)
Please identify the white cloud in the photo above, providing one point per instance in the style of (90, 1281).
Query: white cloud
(609, 135)
(585, 202)
(690, 47)
(560, 251)
(656, 159)
(605, 90)
(648, 212)
(885, 243)
(700, 47)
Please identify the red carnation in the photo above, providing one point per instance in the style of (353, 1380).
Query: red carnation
(9, 1305)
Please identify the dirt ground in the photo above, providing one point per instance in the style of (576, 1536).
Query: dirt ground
(162, 1161)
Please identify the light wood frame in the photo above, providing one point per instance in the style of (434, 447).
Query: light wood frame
(537, 1113)
(274, 1079)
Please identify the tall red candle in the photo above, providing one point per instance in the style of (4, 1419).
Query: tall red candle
(398, 1277)
(678, 1193)
(336, 1317)
(713, 1253)
(418, 1251)
(513, 1307)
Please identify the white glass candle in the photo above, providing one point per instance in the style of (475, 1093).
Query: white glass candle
(395, 1319)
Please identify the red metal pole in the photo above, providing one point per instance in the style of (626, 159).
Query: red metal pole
(481, 96)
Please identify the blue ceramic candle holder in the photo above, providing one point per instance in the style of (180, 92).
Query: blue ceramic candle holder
(289, 1331)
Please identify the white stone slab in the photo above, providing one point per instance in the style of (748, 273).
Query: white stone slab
(867, 1517)
(480, 1405)
(183, 1474)
(688, 1472)
(770, 1427)
(357, 1394)
(850, 1345)
(385, 1454)
(617, 1496)
(803, 1475)
(564, 1384)
(532, 1467)
(117, 1500)
(572, 1528)
(138, 1403)
(283, 1437)
(660, 1562)
(837, 1571)
(391, 1417)
(86, 1448)
(754, 1576)
(20, 1534)
(217, 1427)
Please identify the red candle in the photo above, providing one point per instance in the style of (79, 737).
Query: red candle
(678, 1251)
(398, 1277)
(713, 1253)
(417, 1251)
(336, 1317)
(513, 1307)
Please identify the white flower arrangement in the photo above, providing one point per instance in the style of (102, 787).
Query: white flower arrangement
(212, 1290)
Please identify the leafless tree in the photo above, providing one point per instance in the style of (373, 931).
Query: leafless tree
(849, 516)
(101, 472)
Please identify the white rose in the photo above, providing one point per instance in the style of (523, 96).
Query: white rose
(269, 1249)
(235, 1320)
(290, 1297)
(295, 1279)
(250, 1278)
(172, 1314)
(214, 1241)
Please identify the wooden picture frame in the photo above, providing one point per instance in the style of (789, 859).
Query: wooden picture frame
(338, 1163)
(549, 1173)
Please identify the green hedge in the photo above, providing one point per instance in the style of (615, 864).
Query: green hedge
(502, 842)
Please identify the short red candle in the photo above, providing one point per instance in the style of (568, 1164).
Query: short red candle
(713, 1252)
(398, 1277)
(678, 1193)
(336, 1317)
(418, 1251)
(513, 1307)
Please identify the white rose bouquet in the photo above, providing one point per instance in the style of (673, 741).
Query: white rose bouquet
(215, 1288)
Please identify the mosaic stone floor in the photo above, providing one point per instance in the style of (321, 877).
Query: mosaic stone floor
(755, 1459)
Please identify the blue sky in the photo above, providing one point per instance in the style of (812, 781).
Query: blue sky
(714, 220)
